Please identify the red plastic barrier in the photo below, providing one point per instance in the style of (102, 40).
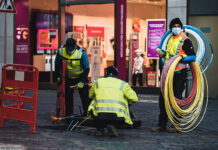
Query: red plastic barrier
(22, 79)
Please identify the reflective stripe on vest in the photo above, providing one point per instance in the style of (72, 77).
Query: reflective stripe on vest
(112, 101)
(79, 53)
(180, 43)
(122, 85)
(174, 47)
(180, 65)
(62, 50)
(96, 82)
(112, 109)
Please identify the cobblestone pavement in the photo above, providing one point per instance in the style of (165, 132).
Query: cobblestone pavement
(16, 136)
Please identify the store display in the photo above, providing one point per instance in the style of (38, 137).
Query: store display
(47, 39)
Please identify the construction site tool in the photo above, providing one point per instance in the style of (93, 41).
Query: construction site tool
(60, 103)
(75, 121)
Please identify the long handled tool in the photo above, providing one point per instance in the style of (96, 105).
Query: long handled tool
(75, 122)
(74, 117)
(60, 103)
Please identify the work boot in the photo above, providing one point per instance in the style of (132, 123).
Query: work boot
(173, 130)
(98, 132)
(158, 129)
(112, 130)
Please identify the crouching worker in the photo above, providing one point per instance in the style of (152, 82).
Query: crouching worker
(111, 98)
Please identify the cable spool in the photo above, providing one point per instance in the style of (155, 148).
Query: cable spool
(185, 114)
(200, 37)
(188, 100)
(185, 118)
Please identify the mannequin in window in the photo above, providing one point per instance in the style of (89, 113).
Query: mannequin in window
(138, 68)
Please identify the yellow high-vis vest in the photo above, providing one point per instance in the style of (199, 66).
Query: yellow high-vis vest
(73, 66)
(174, 47)
(112, 95)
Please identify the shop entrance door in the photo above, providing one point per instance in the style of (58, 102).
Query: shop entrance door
(119, 32)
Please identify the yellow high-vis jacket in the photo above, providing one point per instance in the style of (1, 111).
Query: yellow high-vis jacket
(174, 47)
(73, 65)
(112, 95)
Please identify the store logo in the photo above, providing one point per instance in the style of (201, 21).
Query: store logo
(22, 33)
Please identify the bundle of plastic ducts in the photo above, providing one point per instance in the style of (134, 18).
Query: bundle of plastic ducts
(201, 50)
(185, 113)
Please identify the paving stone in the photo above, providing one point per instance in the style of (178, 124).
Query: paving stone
(55, 137)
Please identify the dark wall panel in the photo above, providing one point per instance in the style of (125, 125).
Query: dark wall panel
(203, 7)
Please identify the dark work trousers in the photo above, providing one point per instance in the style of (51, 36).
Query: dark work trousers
(101, 123)
(139, 76)
(178, 88)
(69, 102)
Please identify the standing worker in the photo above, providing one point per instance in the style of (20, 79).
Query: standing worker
(178, 44)
(111, 99)
(77, 70)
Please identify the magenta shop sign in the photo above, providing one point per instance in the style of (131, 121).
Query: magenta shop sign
(22, 54)
(155, 31)
(121, 38)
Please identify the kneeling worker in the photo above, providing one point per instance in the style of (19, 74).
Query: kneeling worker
(111, 98)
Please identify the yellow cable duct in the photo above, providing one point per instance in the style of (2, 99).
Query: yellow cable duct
(185, 119)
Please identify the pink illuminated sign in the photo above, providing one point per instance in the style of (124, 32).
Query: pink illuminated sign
(47, 39)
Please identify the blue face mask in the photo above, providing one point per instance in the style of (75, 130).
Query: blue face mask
(176, 30)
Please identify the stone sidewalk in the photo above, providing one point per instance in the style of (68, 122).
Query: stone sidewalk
(16, 136)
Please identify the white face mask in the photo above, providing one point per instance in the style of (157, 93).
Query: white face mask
(138, 54)
(176, 30)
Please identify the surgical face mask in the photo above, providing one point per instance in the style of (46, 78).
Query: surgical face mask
(176, 30)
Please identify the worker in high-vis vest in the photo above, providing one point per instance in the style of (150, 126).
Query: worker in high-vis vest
(77, 70)
(178, 44)
(111, 99)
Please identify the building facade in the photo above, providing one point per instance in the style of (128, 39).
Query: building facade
(97, 22)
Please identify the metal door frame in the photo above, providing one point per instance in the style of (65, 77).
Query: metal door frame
(120, 28)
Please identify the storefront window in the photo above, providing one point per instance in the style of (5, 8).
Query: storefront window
(93, 26)
(143, 40)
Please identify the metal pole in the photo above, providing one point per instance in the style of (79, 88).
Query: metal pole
(157, 74)
(51, 70)
(5, 46)
(59, 23)
(130, 61)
